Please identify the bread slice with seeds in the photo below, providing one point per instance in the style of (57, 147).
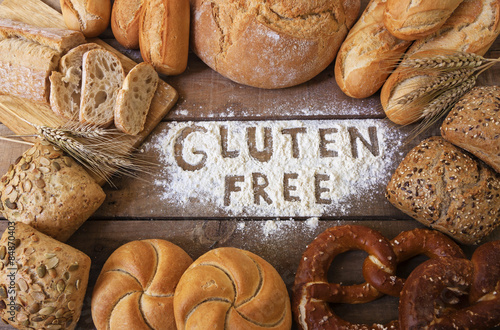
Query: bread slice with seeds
(134, 99)
(66, 84)
(102, 78)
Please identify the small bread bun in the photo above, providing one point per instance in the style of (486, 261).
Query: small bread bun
(125, 22)
(474, 124)
(269, 44)
(91, 17)
(229, 288)
(136, 286)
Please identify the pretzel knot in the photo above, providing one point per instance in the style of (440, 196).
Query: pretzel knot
(313, 292)
(452, 293)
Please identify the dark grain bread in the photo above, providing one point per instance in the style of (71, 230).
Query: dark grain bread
(446, 189)
(474, 124)
(268, 44)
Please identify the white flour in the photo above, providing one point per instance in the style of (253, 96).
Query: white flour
(315, 184)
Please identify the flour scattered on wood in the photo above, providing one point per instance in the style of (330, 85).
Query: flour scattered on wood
(276, 168)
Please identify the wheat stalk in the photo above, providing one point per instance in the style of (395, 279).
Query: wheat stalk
(454, 61)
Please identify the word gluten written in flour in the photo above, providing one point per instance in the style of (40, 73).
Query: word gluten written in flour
(271, 168)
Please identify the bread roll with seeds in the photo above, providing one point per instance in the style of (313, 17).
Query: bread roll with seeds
(229, 288)
(444, 188)
(134, 98)
(136, 286)
(474, 124)
(50, 281)
(49, 191)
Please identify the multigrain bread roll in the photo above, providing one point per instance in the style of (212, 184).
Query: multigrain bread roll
(164, 35)
(48, 287)
(135, 289)
(444, 188)
(229, 288)
(91, 17)
(472, 28)
(368, 54)
(125, 16)
(28, 55)
(474, 124)
(411, 20)
(49, 191)
(268, 44)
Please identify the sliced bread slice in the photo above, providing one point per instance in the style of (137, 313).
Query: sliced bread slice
(66, 84)
(102, 78)
(134, 99)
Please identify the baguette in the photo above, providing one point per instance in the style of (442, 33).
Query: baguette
(91, 17)
(164, 35)
(102, 78)
(66, 84)
(125, 22)
(408, 21)
(134, 98)
(368, 54)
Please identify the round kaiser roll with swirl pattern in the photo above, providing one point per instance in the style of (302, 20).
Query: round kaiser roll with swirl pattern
(229, 288)
(136, 286)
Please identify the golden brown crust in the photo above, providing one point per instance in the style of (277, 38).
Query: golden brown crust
(51, 279)
(164, 35)
(444, 188)
(136, 286)
(49, 191)
(473, 124)
(232, 288)
(91, 17)
(125, 22)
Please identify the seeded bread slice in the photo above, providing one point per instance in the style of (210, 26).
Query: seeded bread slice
(102, 78)
(134, 99)
(66, 84)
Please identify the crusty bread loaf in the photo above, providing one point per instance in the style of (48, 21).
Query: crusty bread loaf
(125, 22)
(411, 20)
(49, 284)
(268, 44)
(49, 191)
(229, 288)
(102, 78)
(91, 17)
(474, 124)
(444, 188)
(66, 84)
(134, 99)
(58, 39)
(164, 35)
(135, 289)
(368, 54)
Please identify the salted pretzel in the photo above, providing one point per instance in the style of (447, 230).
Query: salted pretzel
(312, 292)
(453, 293)
(406, 245)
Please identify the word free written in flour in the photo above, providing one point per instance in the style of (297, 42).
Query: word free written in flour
(286, 168)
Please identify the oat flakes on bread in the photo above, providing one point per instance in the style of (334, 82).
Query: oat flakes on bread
(134, 98)
(66, 84)
(473, 124)
(444, 188)
(269, 44)
(135, 289)
(50, 281)
(49, 191)
(102, 78)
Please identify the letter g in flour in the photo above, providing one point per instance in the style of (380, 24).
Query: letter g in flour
(179, 148)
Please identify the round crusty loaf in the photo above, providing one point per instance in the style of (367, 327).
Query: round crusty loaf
(91, 17)
(444, 188)
(125, 22)
(268, 44)
(229, 288)
(48, 288)
(474, 124)
(136, 286)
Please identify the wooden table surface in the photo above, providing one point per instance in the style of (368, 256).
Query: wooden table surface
(135, 209)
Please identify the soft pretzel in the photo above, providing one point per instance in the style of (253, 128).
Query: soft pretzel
(435, 293)
(406, 245)
(312, 292)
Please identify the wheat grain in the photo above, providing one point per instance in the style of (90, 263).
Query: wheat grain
(445, 62)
